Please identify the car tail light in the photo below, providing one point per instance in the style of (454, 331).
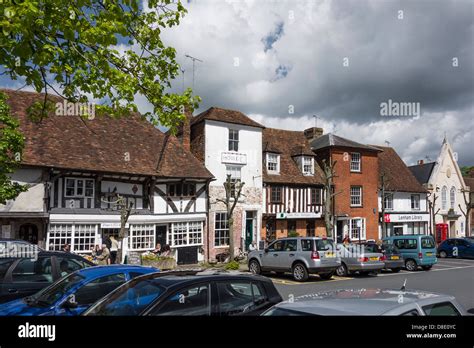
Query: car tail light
(383, 258)
(363, 259)
(420, 255)
(314, 255)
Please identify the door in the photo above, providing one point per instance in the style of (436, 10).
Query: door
(270, 259)
(160, 235)
(27, 277)
(339, 231)
(249, 228)
(29, 233)
(397, 230)
(288, 255)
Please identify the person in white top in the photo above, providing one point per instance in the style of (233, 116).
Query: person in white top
(113, 249)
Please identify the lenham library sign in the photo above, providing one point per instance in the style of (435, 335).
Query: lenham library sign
(234, 158)
(406, 217)
(298, 215)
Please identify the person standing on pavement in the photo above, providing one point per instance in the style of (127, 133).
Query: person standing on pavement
(107, 241)
(104, 257)
(114, 245)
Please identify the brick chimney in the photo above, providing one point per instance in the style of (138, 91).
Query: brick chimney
(185, 132)
(313, 133)
(421, 162)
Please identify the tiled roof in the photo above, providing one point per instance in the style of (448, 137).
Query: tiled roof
(469, 182)
(225, 115)
(422, 172)
(398, 176)
(332, 140)
(103, 144)
(288, 144)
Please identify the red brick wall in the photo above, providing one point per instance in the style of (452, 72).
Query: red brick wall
(282, 228)
(197, 141)
(367, 178)
(213, 251)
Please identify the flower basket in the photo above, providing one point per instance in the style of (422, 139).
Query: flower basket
(163, 263)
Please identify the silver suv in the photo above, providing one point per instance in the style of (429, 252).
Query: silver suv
(300, 255)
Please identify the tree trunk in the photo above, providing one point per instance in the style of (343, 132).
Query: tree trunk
(231, 239)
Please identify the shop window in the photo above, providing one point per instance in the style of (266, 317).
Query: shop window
(186, 233)
(141, 237)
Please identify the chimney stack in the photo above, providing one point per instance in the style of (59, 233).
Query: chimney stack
(421, 162)
(186, 129)
(313, 133)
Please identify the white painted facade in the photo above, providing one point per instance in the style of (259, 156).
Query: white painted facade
(446, 175)
(402, 217)
(246, 163)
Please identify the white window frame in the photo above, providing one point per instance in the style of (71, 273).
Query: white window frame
(273, 158)
(452, 197)
(304, 163)
(83, 195)
(388, 199)
(354, 196)
(143, 236)
(415, 202)
(444, 198)
(233, 140)
(222, 230)
(356, 160)
(190, 233)
(353, 226)
(72, 234)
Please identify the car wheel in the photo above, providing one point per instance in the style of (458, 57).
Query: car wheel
(396, 270)
(411, 265)
(300, 273)
(426, 268)
(326, 276)
(341, 271)
(443, 254)
(254, 267)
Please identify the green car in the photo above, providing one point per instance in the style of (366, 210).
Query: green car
(418, 250)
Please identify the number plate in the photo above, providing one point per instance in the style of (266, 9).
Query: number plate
(374, 258)
(329, 254)
(395, 258)
(429, 254)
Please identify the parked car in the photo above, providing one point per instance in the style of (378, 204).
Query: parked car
(370, 302)
(357, 258)
(191, 293)
(74, 293)
(417, 250)
(10, 247)
(457, 247)
(300, 255)
(391, 256)
(21, 277)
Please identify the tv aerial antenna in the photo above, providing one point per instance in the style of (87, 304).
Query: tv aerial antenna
(194, 59)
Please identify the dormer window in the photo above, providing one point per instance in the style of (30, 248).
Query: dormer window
(273, 163)
(308, 165)
(233, 140)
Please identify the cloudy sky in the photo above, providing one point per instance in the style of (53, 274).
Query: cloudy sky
(281, 62)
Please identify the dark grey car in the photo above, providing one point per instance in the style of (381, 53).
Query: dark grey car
(391, 256)
(357, 258)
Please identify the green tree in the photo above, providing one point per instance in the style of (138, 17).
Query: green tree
(11, 146)
(74, 48)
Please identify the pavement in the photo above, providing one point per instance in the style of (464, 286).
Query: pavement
(449, 276)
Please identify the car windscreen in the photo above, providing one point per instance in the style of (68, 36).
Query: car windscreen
(324, 244)
(390, 249)
(53, 293)
(427, 243)
(130, 299)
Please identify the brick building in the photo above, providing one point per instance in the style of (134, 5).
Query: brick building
(355, 183)
(293, 187)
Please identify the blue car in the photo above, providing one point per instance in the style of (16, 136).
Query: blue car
(418, 250)
(76, 292)
(457, 247)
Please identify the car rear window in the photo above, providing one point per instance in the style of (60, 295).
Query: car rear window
(324, 244)
(445, 308)
(427, 243)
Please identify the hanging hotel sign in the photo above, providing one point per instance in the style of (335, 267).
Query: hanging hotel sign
(298, 215)
(234, 158)
(406, 217)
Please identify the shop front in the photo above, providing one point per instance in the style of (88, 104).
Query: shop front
(283, 225)
(400, 224)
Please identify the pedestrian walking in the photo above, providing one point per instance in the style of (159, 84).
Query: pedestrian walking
(114, 245)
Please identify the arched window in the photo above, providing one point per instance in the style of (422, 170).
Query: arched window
(452, 196)
(444, 198)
